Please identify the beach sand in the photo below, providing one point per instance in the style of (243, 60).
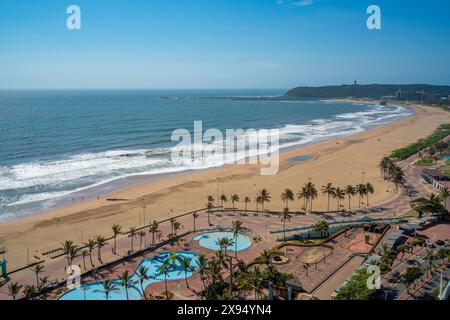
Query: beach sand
(341, 161)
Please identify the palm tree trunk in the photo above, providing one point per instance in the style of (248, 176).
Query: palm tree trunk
(284, 229)
(328, 205)
(115, 250)
(143, 291)
(165, 285)
(185, 279)
(90, 258)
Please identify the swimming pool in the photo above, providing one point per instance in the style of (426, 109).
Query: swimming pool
(209, 240)
(93, 290)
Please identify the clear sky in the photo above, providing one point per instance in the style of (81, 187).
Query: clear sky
(222, 43)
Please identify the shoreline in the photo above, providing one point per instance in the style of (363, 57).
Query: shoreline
(333, 160)
(102, 189)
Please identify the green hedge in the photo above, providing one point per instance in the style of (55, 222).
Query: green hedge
(406, 152)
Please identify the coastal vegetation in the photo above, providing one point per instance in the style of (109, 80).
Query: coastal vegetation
(432, 141)
(356, 288)
(375, 91)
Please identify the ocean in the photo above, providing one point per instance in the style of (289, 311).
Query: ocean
(62, 146)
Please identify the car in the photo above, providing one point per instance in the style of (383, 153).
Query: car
(430, 245)
(440, 243)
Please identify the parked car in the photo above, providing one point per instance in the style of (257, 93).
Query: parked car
(440, 243)
(430, 245)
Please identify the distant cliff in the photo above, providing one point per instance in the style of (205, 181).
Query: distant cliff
(362, 91)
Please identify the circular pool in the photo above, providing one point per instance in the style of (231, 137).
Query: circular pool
(210, 240)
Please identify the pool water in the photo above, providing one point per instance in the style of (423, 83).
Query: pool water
(209, 240)
(93, 290)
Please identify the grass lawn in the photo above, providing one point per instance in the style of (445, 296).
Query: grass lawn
(425, 162)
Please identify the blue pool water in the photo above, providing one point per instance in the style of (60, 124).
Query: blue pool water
(446, 157)
(93, 290)
(209, 240)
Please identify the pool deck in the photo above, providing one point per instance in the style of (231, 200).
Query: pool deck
(259, 224)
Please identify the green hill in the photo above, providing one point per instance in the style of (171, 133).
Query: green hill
(362, 91)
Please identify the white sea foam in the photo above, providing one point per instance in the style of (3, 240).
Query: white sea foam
(48, 181)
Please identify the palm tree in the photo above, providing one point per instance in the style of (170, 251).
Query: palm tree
(116, 229)
(131, 234)
(164, 269)
(322, 227)
(142, 274)
(211, 199)
(209, 206)
(445, 194)
(431, 204)
(385, 164)
(14, 289)
(224, 243)
(126, 281)
(234, 198)
(287, 196)
(266, 257)
(255, 279)
(108, 287)
(339, 194)
(430, 256)
(236, 227)
(329, 191)
(397, 177)
(100, 242)
(154, 228)
(84, 253)
(91, 246)
(186, 266)
(202, 264)
(223, 199)
(66, 245)
(302, 194)
(247, 201)
(37, 269)
(311, 193)
(141, 235)
(172, 223)
(195, 216)
(285, 217)
(265, 197)
(258, 201)
(29, 292)
(350, 191)
(73, 253)
(214, 271)
(369, 190)
(176, 226)
(361, 191)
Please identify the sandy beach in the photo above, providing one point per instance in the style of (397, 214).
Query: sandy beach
(342, 161)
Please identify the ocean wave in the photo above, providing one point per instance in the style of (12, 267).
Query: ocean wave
(47, 181)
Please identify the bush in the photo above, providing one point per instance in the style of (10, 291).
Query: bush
(425, 162)
(356, 288)
(406, 152)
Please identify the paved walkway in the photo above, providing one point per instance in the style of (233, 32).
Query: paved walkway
(326, 289)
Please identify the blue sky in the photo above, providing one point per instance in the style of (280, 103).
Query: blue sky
(222, 43)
